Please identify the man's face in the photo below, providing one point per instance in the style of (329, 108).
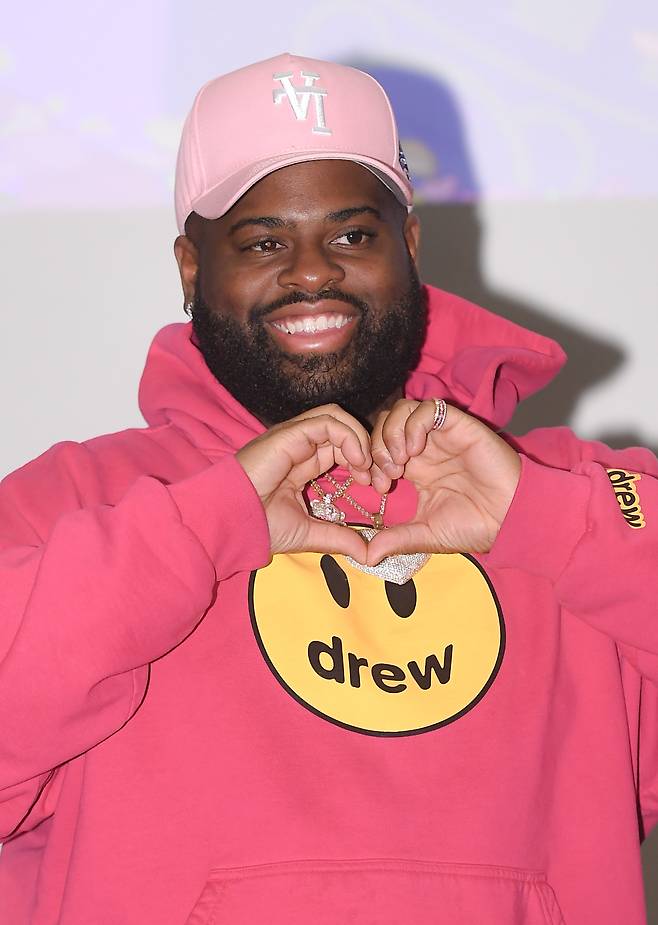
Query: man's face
(306, 292)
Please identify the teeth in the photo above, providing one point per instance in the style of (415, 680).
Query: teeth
(311, 324)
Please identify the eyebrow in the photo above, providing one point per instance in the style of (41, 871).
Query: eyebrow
(271, 221)
(343, 214)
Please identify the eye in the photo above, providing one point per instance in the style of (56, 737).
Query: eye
(339, 586)
(354, 238)
(402, 598)
(265, 246)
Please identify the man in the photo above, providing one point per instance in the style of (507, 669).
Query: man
(316, 645)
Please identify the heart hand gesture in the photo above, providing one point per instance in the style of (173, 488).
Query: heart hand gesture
(464, 473)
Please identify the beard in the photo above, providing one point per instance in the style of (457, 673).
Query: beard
(276, 386)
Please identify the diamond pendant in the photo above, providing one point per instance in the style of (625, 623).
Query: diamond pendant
(398, 569)
(323, 509)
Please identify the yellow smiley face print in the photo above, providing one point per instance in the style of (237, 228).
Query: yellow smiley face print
(375, 657)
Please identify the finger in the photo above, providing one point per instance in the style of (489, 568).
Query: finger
(388, 440)
(417, 426)
(331, 538)
(307, 435)
(271, 458)
(380, 455)
(335, 411)
(325, 458)
(393, 431)
(379, 480)
(401, 539)
(319, 443)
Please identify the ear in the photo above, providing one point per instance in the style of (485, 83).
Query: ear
(411, 233)
(187, 258)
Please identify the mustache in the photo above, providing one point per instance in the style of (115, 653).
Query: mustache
(294, 298)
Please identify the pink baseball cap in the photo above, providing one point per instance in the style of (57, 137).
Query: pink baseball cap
(282, 111)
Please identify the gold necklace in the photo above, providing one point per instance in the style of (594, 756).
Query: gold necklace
(398, 569)
(325, 509)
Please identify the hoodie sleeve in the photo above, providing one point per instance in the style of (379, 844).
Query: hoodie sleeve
(85, 609)
(592, 531)
(586, 518)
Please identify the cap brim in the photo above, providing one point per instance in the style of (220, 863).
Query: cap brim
(218, 200)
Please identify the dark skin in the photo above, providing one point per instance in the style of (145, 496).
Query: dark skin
(309, 228)
(327, 224)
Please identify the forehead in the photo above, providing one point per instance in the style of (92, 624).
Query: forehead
(313, 189)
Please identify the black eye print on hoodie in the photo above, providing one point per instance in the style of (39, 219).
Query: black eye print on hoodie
(402, 598)
(339, 586)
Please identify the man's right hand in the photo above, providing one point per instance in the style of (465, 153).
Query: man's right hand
(285, 458)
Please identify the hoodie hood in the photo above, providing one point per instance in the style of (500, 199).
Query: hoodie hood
(479, 361)
(471, 357)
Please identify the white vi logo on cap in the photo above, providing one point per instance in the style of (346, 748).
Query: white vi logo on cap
(300, 98)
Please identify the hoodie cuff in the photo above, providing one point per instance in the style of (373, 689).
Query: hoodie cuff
(222, 508)
(545, 521)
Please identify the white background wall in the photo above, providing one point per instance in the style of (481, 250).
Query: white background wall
(539, 121)
(531, 128)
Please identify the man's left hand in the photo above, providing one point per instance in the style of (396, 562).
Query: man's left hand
(465, 475)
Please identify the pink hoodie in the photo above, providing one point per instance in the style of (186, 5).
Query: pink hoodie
(191, 735)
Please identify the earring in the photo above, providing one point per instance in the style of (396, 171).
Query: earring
(187, 308)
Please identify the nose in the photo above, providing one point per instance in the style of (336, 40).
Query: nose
(311, 268)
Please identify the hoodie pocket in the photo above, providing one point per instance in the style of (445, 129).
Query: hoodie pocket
(373, 892)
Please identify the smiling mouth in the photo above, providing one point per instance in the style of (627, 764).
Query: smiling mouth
(312, 324)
